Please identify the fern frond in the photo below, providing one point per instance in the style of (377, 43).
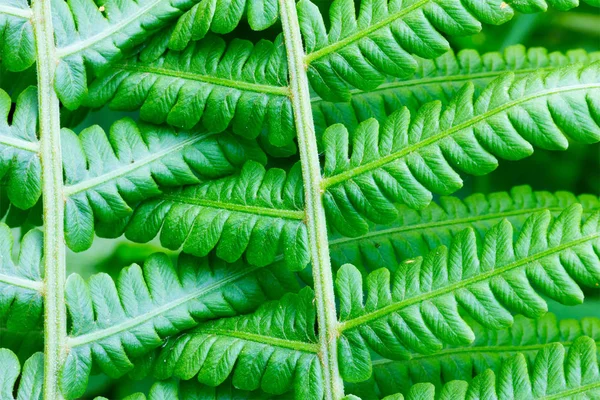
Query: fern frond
(23, 343)
(19, 162)
(31, 378)
(114, 322)
(258, 213)
(239, 84)
(440, 79)
(405, 160)
(415, 309)
(90, 37)
(21, 301)
(360, 50)
(222, 16)
(16, 35)
(274, 349)
(552, 376)
(489, 350)
(418, 232)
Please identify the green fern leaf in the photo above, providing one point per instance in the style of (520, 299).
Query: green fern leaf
(21, 302)
(416, 308)
(107, 174)
(92, 37)
(16, 35)
(553, 376)
(418, 232)
(360, 50)
(440, 79)
(489, 350)
(31, 378)
(219, 85)
(259, 213)
(222, 16)
(405, 160)
(274, 349)
(112, 323)
(19, 164)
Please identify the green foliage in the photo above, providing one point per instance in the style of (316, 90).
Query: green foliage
(440, 79)
(21, 299)
(258, 213)
(30, 378)
(115, 321)
(552, 376)
(406, 159)
(209, 82)
(490, 349)
(301, 164)
(416, 309)
(417, 232)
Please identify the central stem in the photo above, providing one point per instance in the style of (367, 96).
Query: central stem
(315, 212)
(55, 321)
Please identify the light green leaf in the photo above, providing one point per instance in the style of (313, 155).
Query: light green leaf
(489, 350)
(552, 376)
(406, 159)
(113, 322)
(16, 35)
(21, 303)
(210, 82)
(31, 378)
(417, 232)
(274, 349)
(257, 213)
(440, 79)
(360, 48)
(415, 309)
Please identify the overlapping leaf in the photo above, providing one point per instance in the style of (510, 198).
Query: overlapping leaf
(222, 16)
(21, 301)
(90, 37)
(415, 309)
(415, 233)
(218, 85)
(440, 79)
(105, 175)
(190, 390)
(360, 49)
(259, 213)
(489, 350)
(406, 159)
(552, 376)
(274, 349)
(31, 378)
(19, 162)
(115, 322)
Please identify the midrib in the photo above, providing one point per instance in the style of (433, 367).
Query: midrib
(19, 144)
(16, 12)
(20, 282)
(264, 339)
(373, 165)
(229, 83)
(75, 341)
(254, 210)
(129, 168)
(382, 312)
